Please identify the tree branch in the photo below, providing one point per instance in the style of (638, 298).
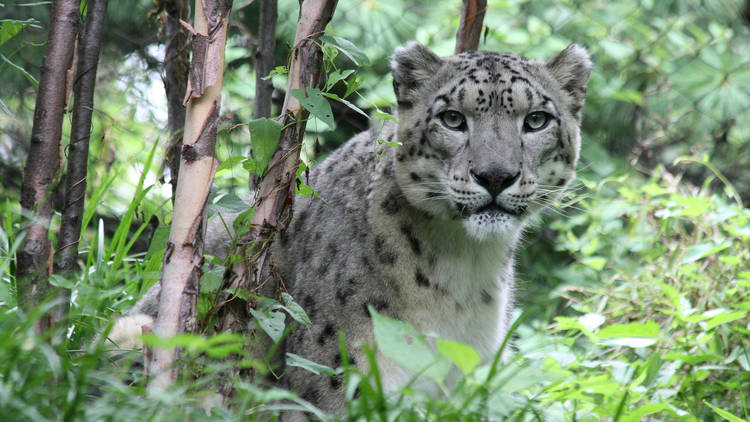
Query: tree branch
(470, 28)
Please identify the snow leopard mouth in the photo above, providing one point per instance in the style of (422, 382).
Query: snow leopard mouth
(491, 209)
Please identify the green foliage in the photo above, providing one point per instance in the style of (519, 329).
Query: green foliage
(264, 137)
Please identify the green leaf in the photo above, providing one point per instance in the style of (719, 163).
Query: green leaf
(595, 262)
(723, 318)
(228, 204)
(353, 84)
(691, 359)
(21, 70)
(230, 162)
(634, 334)
(272, 322)
(345, 102)
(294, 309)
(383, 115)
(336, 76)
(9, 28)
(724, 414)
(633, 329)
(565, 323)
(303, 189)
(278, 70)
(212, 278)
(315, 368)
(264, 137)
(700, 251)
(316, 104)
(400, 342)
(348, 48)
(462, 355)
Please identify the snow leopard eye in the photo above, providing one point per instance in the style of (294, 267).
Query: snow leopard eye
(536, 121)
(453, 119)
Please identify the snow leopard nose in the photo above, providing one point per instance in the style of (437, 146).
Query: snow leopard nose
(494, 179)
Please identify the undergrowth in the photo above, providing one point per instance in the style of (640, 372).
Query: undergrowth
(654, 327)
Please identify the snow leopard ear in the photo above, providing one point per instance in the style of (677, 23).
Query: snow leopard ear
(572, 68)
(413, 64)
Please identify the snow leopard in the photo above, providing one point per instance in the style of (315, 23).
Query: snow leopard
(420, 220)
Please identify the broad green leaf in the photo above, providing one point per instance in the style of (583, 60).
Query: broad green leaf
(398, 341)
(272, 322)
(634, 334)
(294, 309)
(264, 138)
(722, 318)
(565, 323)
(212, 278)
(462, 355)
(595, 262)
(691, 206)
(348, 48)
(336, 76)
(353, 83)
(315, 368)
(701, 251)
(227, 204)
(9, 28)
(640, 414)
(634, 329)
(313, 101)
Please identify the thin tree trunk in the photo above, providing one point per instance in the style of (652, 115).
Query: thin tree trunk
(277, 189)
(180, 280)
(89, 45)
(470, 28)
(264, 55)
(176, 64)
(41, 172)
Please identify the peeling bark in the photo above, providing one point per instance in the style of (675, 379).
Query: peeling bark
(89, 46)
(41, 172)
(470, 28)
(277, 189)
(183, 257)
